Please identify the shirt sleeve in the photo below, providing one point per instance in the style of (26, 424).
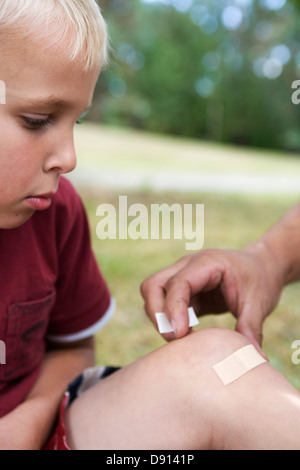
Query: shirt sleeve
(83, 301)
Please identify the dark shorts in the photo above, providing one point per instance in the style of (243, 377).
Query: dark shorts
(59, 436)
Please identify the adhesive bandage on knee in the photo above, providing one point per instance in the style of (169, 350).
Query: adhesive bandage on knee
(164, 326)
(238, 364)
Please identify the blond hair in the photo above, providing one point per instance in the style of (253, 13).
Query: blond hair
(79, 22)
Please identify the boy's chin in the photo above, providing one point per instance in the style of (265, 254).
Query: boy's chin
(12, 222)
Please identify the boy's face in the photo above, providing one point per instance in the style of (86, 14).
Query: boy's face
(45, 96)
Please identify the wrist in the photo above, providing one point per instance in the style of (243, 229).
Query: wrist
(274, 264)
(279, 248)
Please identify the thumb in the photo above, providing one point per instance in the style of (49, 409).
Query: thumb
(251, 328)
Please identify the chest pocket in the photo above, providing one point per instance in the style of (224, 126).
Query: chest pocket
(25, 337)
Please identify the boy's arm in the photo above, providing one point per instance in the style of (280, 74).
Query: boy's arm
(28, 426)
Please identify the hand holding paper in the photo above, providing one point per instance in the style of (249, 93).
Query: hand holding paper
(164, 326)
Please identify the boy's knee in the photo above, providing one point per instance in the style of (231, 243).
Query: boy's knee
(191, 359)
(199, 353)
(209, 346)
(220, 342)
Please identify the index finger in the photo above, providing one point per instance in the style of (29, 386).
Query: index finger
(180, 289)
(154, 292)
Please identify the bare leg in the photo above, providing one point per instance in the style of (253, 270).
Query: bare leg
(173, 399)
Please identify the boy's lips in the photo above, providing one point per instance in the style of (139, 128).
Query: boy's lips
(40, 202)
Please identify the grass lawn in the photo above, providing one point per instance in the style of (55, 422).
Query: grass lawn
(112, 148)
(231, 221)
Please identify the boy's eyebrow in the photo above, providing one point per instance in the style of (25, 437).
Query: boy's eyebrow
(49, 101)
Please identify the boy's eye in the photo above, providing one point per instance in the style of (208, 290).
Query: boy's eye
(36, 124)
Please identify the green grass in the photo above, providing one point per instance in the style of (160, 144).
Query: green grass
(105, 148)
(231, 221)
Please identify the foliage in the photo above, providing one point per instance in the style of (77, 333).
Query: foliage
(207, 69)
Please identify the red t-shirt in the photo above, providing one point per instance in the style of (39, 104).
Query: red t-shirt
(50, 286)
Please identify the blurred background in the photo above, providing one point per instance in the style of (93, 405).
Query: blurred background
(206, 69)
(194, 107)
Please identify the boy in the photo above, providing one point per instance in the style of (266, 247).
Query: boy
(52, 293)
(53, 298)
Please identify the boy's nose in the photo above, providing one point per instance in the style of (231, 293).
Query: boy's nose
(63, 159)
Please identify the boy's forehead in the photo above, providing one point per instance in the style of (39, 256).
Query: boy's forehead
(40, 76)
(43, 85)
(47, 103)
(23, 54)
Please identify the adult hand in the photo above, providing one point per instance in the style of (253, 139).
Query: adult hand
(216, 281)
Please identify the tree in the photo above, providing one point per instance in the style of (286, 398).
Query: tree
(172, 72)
